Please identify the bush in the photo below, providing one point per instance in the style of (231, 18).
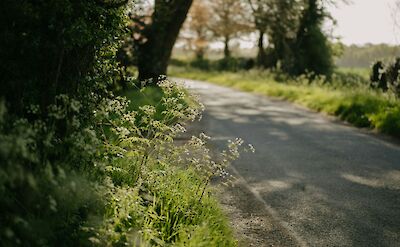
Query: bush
(224, 64)
(202, 64)
(58, 59)
(378, 77)
(79, 165)
(178, 62)
(348, 79)
(386, 78)
(235, 64)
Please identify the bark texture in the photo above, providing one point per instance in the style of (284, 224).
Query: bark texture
(161, 35)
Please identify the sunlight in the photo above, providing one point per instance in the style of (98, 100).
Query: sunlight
(389, 179)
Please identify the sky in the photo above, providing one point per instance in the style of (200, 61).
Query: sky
(358, 22)
(366, 21)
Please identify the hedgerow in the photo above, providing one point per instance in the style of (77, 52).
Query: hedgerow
(57, 65)
(81, 166)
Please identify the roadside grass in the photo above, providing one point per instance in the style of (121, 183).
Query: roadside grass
(165, 210)
(354, 102)
(152, 96)
(159, 198)
(149, 95)
(363, 72)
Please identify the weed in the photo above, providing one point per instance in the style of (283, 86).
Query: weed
(159, 191)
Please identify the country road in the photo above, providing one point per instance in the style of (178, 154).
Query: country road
(323, 182)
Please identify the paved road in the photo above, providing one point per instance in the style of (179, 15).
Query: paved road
(327, 183)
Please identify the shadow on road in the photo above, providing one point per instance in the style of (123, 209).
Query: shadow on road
(331, 184)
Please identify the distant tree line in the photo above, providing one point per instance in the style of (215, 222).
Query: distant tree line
(290, 32)
(364, 56)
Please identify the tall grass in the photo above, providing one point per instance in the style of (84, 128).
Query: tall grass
(159, 193)
(353, 102)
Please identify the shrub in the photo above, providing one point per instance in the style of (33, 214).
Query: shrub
(202, 64)
(235, 64)
(348, 79)
(310, 49)
(378, 77)
(79, 165)
(224, 64)
(57, 63)
(386, 78)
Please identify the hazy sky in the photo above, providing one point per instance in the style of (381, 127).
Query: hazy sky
(358, 22)
(366, 21)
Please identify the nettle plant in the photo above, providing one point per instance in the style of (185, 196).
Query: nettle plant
(143, 157)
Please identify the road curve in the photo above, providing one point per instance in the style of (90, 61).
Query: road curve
(329, 184)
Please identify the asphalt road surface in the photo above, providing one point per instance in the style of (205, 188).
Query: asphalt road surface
(324, 182)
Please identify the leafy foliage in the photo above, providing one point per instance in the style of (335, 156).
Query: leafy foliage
(58, 64)
(81, 166)
(386, 78)
(223, 64)
(311, 51)
(168, 198)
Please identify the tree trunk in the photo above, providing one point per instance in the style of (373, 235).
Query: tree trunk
(200, 54)
(227, 51)
(155, 52)
(261, 57)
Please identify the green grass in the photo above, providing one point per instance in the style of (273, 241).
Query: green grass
(354, 103)
(363, 72)
(167, 210)
(164, 206)
(150, 95)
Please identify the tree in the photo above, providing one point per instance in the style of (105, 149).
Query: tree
(57, 61)
(261, 17)
(284, 23)
(155, 36)
(197, 31)
(229, 21)
(311, 49)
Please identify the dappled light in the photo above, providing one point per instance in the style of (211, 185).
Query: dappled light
(307, 168)
(388, 180)
(200, 123)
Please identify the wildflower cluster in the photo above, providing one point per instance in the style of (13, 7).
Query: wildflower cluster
(167, 181)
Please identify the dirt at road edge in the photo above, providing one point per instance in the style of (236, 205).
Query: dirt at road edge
(253, 225)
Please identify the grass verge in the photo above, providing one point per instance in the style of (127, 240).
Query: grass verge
(158, 198)
(357, 105)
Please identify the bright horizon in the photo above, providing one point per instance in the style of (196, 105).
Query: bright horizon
(357, 24)
(365, 21)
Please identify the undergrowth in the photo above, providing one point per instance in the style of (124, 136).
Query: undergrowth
(353, 102)
(159, 191)
(81, 165)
